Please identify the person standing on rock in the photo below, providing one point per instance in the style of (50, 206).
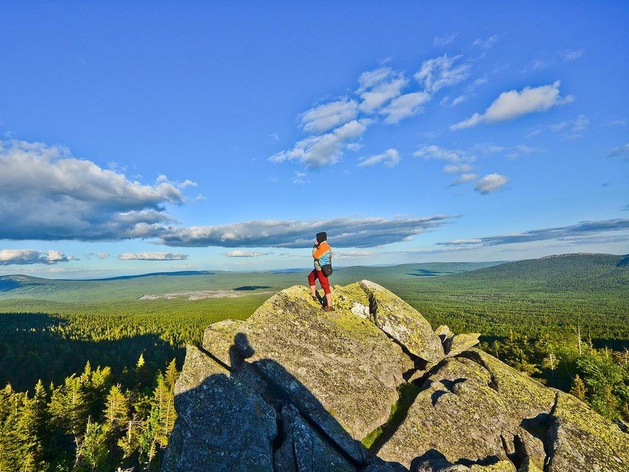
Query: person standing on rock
(322, 254)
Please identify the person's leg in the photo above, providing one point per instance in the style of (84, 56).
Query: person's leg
(311, 281)
(325, 285)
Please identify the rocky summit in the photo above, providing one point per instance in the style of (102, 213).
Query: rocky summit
(371, 387)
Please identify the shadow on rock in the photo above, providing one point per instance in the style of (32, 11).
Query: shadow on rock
(257, 417)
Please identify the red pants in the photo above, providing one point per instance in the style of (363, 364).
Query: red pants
(323, 280)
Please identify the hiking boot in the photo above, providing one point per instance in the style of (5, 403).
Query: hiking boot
(329, 308)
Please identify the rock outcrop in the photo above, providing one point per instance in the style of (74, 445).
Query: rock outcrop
(371, 388)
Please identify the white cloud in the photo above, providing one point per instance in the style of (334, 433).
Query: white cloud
(619, 122)
(434, 152)
(246, 254)
(457, 168)
(490, 183)
(342, 232)
(329, 115)
(300, 178)
(152, 256)
(572, 54)
(486, 44)
(377, 87)
(620, 150)
(389, 158)
(465, 178)
(441, 72)
(29, 256)
(458, 100)
(511, 152)
(404, 106)
(513, 104)
(318, 151)
(101, 255)
(441, 41)
(49, 195)
(571, 129)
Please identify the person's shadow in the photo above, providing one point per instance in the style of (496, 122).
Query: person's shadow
(256, 416)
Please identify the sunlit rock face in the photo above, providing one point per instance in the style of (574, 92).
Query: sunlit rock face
(371, 387)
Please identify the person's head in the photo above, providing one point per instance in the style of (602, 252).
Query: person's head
(323, 236)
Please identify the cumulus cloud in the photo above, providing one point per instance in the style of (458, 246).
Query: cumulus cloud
(329, 116)
(335, 127)
(342, 232)
(581, 229)
(152, 256)
(513, 104)
(441, 72)
(404, 106)
(49, 195)
(29, 256)
(379, 86)
(490, 183)
(620, 151)
(389, 158)
(318, 151)
(245, 254)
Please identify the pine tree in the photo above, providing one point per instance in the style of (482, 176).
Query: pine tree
(116, 408)
(171, 375)
(93, 450)
(578, 388)
(69, 408)
(159, 424)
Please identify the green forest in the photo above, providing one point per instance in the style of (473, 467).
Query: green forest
(88, 367)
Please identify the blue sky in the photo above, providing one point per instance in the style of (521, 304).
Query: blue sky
(223, 136)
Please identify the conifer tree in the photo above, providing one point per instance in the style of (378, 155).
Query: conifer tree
(69, 408)
(578, 388)
(93, 449)
(116, 408)
(171, 375)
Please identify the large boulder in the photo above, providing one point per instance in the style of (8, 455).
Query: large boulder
(579, 439)
(471, 410)
(223, 424)
(339, 369)
(297, 389)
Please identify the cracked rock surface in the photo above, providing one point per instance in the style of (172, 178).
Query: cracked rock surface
(298, 389)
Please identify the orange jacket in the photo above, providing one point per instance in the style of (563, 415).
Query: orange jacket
(322, 255)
